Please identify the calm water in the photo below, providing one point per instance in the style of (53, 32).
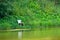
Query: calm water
(31, 35)
(10, 35)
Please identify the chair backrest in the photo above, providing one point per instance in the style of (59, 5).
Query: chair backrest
(19, 21)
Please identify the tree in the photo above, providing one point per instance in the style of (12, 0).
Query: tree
(5, 8)
(57, 2)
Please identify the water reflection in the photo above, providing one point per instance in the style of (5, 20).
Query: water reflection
(20, 35)
(10, 35)
(30, 35)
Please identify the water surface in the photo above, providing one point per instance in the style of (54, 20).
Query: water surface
(53, 34)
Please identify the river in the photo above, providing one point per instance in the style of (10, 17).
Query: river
(31, 35)
(10, 35)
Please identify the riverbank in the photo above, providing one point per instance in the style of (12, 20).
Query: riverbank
(16, 30)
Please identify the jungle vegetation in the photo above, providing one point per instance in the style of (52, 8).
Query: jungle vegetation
(33, 13)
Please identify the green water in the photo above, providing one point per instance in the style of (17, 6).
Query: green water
(52, 34)
(9, 36)
(45, 34)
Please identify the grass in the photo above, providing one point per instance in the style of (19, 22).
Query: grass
(47, 34)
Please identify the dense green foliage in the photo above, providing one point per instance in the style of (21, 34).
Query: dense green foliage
(34, 14)
(5, 8)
